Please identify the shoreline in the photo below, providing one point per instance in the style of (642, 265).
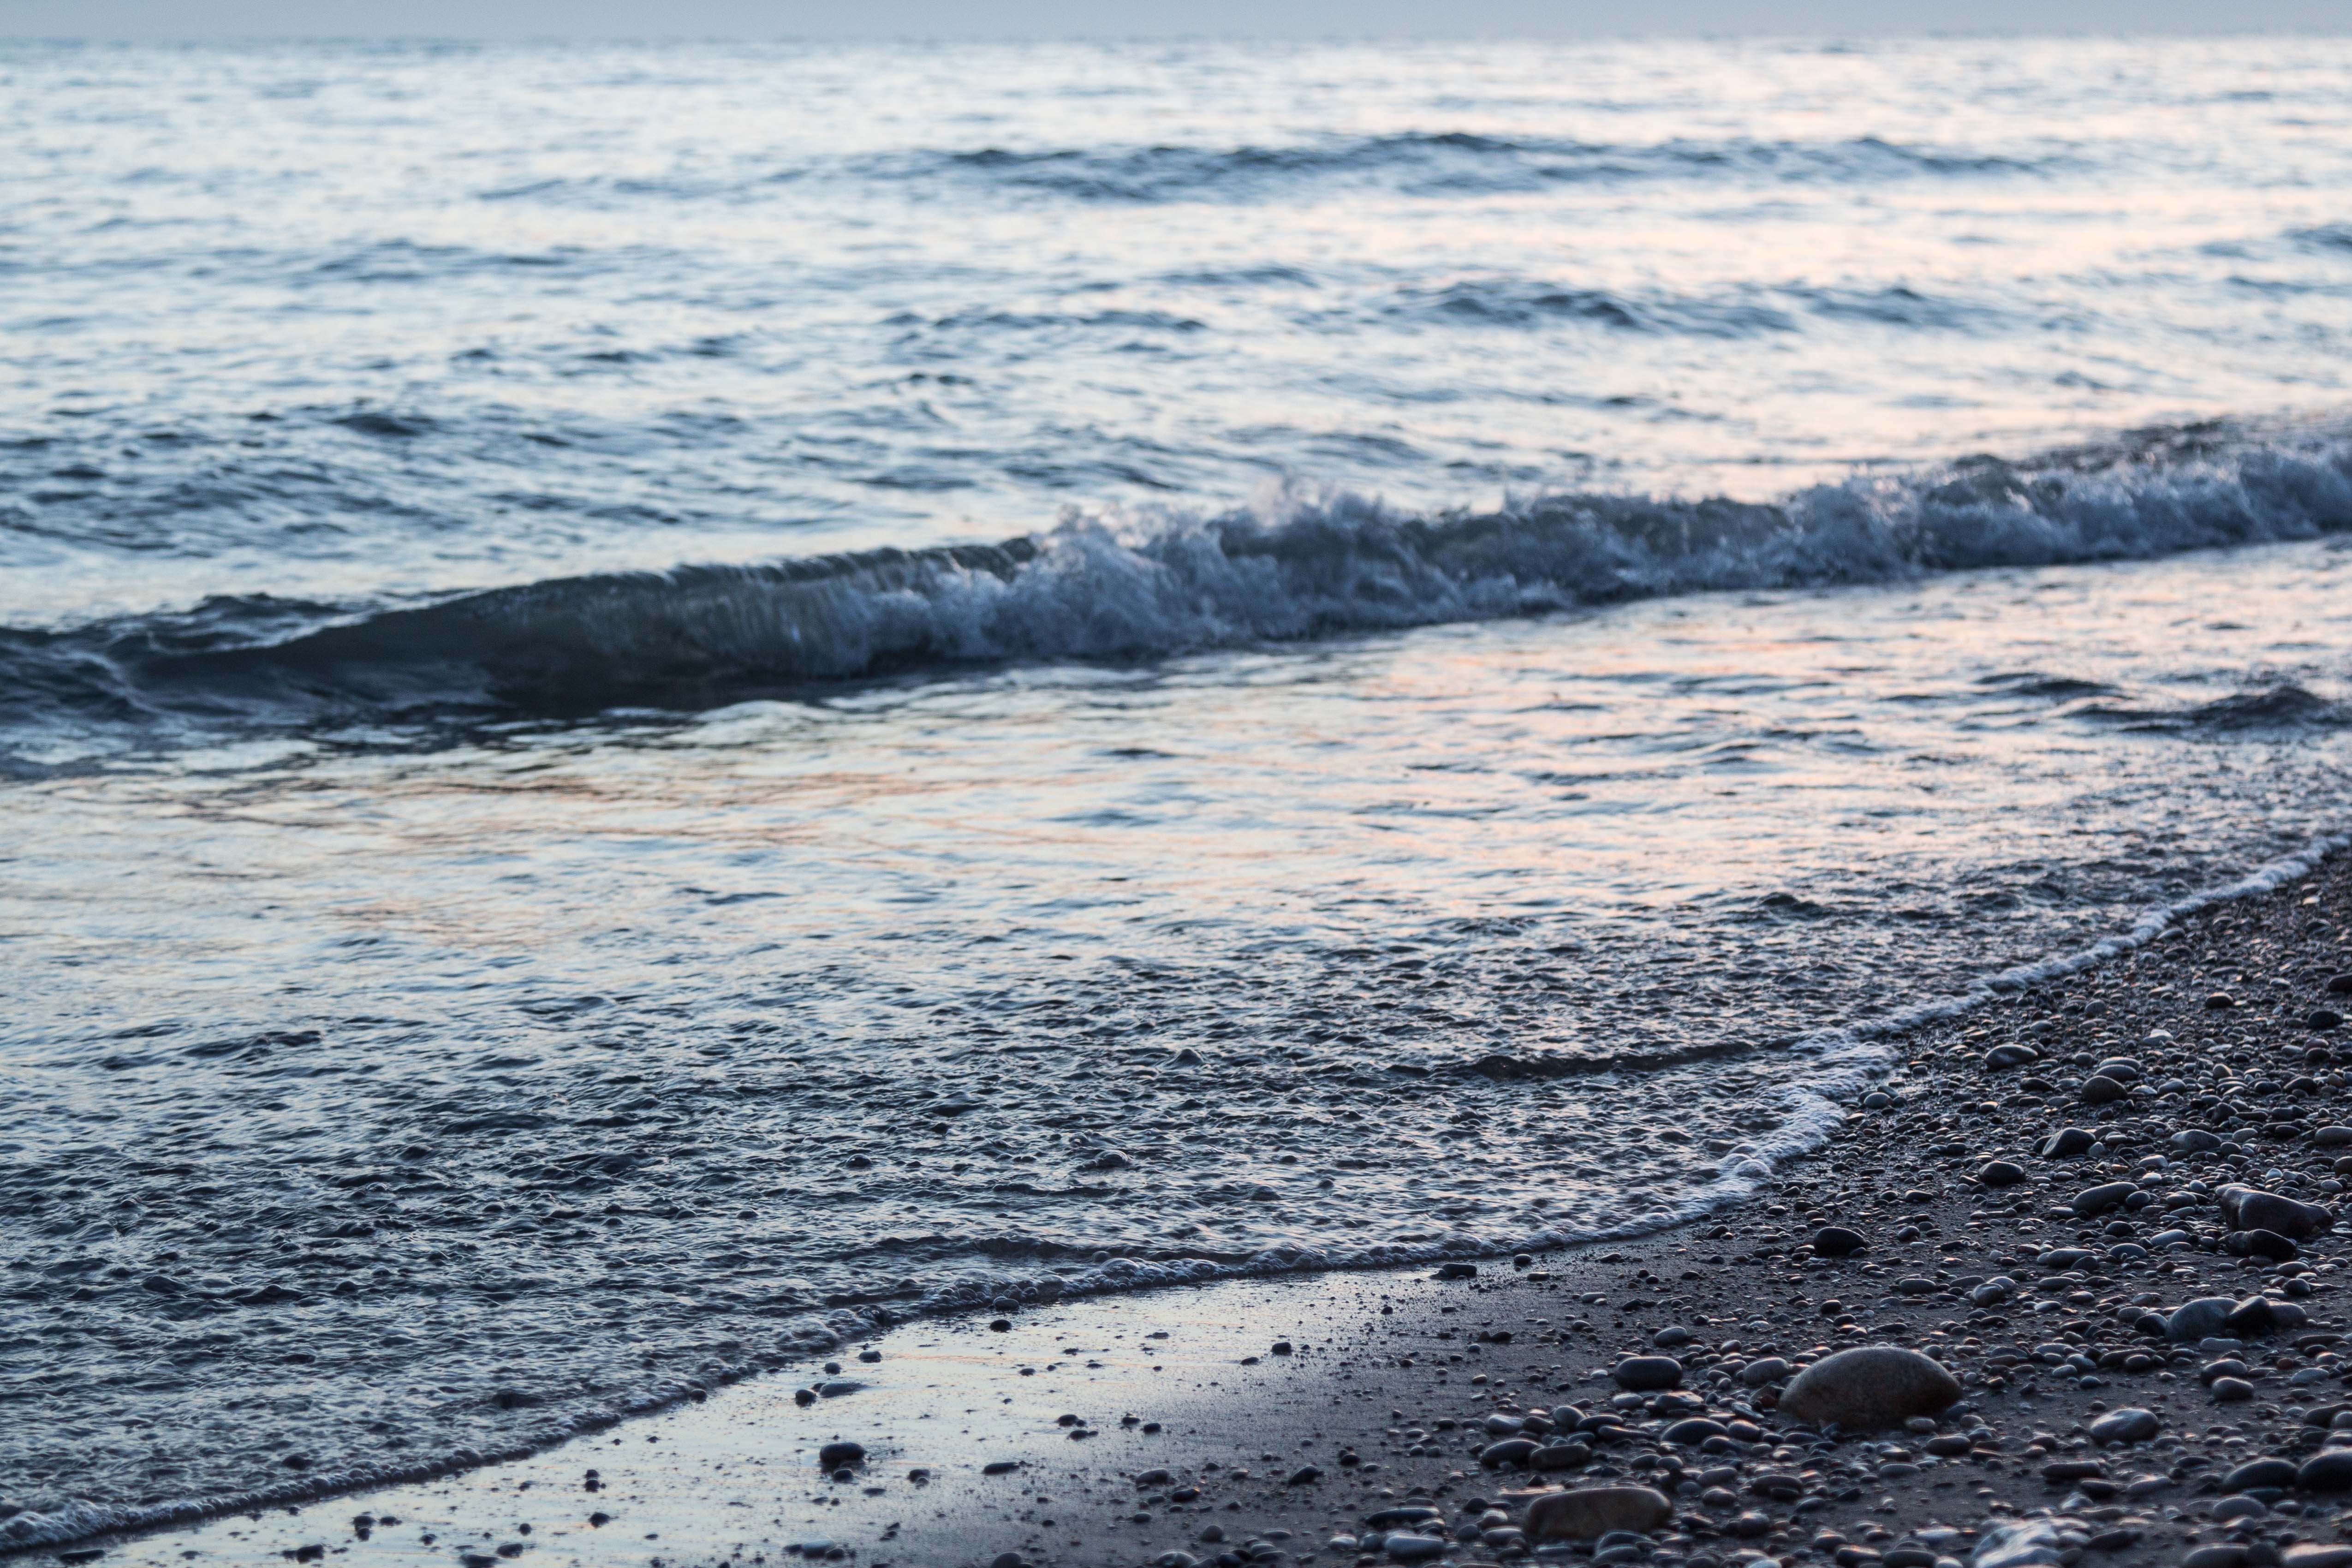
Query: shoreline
(1290, 1400)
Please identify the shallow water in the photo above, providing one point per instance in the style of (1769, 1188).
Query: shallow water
(439, 1021)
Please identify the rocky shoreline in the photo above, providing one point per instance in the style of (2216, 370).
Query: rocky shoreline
(2103, 1207)
(2066, 1287)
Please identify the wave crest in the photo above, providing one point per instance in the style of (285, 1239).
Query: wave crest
(1162, 583)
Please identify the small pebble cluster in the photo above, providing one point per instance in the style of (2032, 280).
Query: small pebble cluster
(2066, 1285)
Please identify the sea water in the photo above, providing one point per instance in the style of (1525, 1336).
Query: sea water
(659, 705)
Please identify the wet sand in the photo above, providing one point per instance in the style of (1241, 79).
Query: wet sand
(1280, 1416)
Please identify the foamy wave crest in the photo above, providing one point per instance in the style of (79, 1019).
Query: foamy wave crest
(1151, 585)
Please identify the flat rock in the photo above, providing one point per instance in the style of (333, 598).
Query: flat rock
(2066, 1143)
(1590, 1511)
(1869, 1388)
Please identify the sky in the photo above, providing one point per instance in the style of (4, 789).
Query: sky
(765, 19)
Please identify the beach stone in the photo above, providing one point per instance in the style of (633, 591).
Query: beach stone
(2312, 1554)
(2066, 1143)
(2129, 1425)
(2001, 1173)
(1509, 1451)
(2267, 1244)
(2329, 1470)
(2266, 1471)
(2340, 983)
(833, 1455)
(2250, 1208)
(2011, 1056)
(1837, 1241)
(1648, 1373)
(2123, 1069)
(1766, 1369)
(1870, 1387)
(2332, 1137)
(2224, 1555)
(2100, 1199)
(2220, 1001)
(1407, 1547)
(1993, 1291)
(2029, 1544)
(2231, 1390)
(2254, 1315)
(1695, 1429)
(1589, 1512)
(2101, 1089)
(2323, 1019)
(2194, 1141)
(1457, 1271)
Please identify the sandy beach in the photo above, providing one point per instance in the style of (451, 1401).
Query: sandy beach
(2029, 1201)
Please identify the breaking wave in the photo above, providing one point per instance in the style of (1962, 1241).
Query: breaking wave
(1151, 584)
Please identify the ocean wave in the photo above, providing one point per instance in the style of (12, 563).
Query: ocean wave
(2285, 706)
(1161, 583)
(1441, 162)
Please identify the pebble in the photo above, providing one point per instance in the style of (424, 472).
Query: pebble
(833, 1455)
(2101, 1089)
(1648, 1373)
(1589, 1512)
(2098, 1200)
(1870, 1387)
(2266, 1471)
(2329, 1470)
(2267, 1244)
(1766, 1369)
(1837, 1241)
(2067, 1143)
(2250, 1208)
(2129, 1425)
(2198, 1320)
(2001, 1173)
